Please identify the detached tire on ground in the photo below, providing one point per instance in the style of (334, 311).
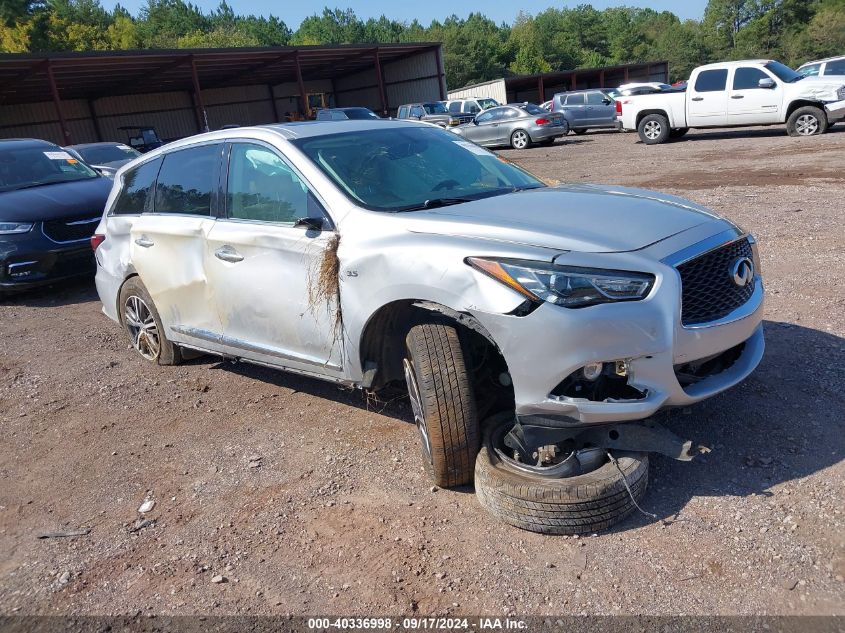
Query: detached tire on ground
(581, 504)
(654, 129)
(807, 121)
(443, 402)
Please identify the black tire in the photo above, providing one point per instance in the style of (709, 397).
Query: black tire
(444, 410)
(653, 129)
(581, 504)
(678, 132)
(579, 130)
(520, 139)
(167, 353)
(807, 121)
(547, 143)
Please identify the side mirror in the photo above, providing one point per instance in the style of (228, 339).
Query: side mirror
(768, 83)
(310, 224)
(606, 101)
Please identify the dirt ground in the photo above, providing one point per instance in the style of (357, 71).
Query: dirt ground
(307, 499)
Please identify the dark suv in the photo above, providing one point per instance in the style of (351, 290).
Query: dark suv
(50, 204)
(432, 112)
(586, 109)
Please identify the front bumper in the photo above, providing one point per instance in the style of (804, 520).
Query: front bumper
(551, 343)
(835, 111)
(29, 260)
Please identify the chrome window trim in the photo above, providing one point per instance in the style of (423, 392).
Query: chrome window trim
(704, 246)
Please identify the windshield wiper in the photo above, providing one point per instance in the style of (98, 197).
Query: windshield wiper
(434, 203)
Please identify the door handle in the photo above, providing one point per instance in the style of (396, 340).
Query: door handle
(144, 242)
(737, 96)
(228, 254)
(698, 98)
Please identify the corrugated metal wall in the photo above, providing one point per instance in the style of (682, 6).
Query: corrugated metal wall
(411, 79)
(494, 89)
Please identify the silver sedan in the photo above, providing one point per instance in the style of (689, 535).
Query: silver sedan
(515, 125)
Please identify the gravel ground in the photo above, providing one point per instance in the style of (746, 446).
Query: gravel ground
(306, 499)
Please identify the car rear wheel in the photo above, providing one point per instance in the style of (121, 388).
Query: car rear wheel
(442, 402)
(583, 492)
(579, 130)
(653, 129)
(520, 139)
(807, 121)
(140, 319)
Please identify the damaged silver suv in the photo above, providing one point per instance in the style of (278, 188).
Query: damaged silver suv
(533, 326)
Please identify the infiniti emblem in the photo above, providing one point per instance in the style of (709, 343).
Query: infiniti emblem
(742, 271)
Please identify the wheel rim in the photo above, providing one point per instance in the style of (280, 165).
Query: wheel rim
(142, 328)
(577, 462)
(807, 125)
(520, 140)
(416, 407)
(652, 130)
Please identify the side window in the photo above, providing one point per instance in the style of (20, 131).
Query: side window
(576, 99)
(748, 78)
(835, 67)
(454, 107)
(711, 80)
(417, 111)
(595, 98)
(403, 113)
(472, 107)
(486, 117)
(186, 180)
(811, 71)
(510, 113)
(263, 187)
(136, 195)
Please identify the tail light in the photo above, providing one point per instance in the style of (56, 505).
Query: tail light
(542, 121)
(618, 108)
(96, 240)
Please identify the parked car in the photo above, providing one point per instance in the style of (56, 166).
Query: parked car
(142, 137)
(741, 93)
(345, 114)
(433, 112)
(586, 109)
(830, 67)
(515, 125)
(472, 105)
(50, 204)
(533, 326)
(105, 158)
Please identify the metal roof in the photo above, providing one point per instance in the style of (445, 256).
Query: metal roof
(25, 78)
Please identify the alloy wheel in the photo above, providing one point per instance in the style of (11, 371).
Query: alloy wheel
(417, 408)
(807, 125)
(142, 328)
(652, 130)
(520, 139)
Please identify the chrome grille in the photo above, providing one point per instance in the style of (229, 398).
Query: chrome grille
(70, 230)
(708, 291)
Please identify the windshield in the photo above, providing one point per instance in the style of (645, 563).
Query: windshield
(784, 73)
(486, 104)
(36, 166)
(404, 168)
(360, 113)
(102, 154)
(435, 108)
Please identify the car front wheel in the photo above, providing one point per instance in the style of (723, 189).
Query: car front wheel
(140, 319)
(807, 121)
(442, 402)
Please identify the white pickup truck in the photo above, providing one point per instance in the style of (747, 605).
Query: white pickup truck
(743, 93)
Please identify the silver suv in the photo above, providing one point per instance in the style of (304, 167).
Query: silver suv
(532, 326)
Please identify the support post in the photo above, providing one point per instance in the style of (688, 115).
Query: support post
(54, 90)
(574, 81)
(380, 79)
(440, 78)
(273, 104)
(626, 74)
(94, 120)
(601, 79)
(202, 115)
(648, 72)
(303, 98)
(541, 89)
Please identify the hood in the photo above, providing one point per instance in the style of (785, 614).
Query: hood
(820, 88)
(583, 218)
(80, 198)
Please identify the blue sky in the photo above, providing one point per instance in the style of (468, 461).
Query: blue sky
(294, 12)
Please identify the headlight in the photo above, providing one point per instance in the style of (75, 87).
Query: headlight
(566, 286)
(7, 228)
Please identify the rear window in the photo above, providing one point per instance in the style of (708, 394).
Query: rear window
(186, 180)
(136, 194)
(711, 80)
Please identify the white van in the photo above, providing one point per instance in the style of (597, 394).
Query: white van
(473, 105)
